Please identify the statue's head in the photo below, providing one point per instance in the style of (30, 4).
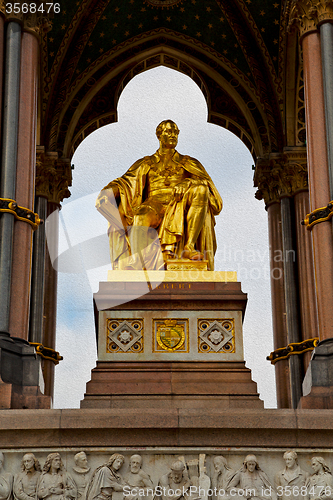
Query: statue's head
(30, 462)
(135, 463)
(251, 463)
(290, 457)
(80, 459)
(116, 461)
(219, 463)
(167, 133)
(177, 471)
(53, 460)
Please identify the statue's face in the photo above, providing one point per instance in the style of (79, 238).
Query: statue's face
(135, 464)
(218, 465)
(316, 466)
(169, 136)
(117, 464)
(82, 461)
(251, 466)
(56, 463)
(28, 461)
(177, 476)
(290, 461)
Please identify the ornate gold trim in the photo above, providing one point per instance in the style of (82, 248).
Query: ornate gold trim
(47, 352)
(293, 348)
(303, 16)
(20, 213)
(182, 324)
(318, 215)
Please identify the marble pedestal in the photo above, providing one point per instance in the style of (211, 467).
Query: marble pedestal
(174, 342)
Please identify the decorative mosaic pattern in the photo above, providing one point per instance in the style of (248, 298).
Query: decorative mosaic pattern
(170, 335)
(124, 335)
(216, 335)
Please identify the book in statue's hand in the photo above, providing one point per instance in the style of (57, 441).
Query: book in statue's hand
(110, 211)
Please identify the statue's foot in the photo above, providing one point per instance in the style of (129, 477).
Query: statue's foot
(192, 254)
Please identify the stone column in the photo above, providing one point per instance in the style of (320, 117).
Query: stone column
(304, 14)
(8, 166)
(52, 181)
(325, 23)
(269, 192)
(25, 177)
(317, 385)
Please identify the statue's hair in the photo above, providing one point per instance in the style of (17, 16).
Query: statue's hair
(136, 455)
(323, 464)
(221, 459)
(48, 461)
(114, 457)
(161, 126)
(251, 458)
(292, 453)
(36, 463)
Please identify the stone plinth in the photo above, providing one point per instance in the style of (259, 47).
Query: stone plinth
(170, 343)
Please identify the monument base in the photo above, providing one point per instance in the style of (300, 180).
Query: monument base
(179, 345)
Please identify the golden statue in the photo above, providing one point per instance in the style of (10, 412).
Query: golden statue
(162, 208)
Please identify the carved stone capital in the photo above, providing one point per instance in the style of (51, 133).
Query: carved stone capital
(36, 22)
(303, 15)
(282, 175)
(53, 176)
(324, 10)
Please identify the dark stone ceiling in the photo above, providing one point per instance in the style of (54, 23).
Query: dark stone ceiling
(205, 21)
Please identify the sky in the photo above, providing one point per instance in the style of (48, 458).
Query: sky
(241, 228)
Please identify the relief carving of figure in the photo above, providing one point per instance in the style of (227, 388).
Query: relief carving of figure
(106, 479)
(292, 475)
(6, 481)
(81, 473)
(25, 482)
(55, 483)
(137, 478)
(168, 192)
(320, 484)
(221, 477)
(176, 482)
(252, 481)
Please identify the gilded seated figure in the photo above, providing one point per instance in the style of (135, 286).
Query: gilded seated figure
(166, 194)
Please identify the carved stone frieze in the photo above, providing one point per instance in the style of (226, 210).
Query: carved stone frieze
(288, 476)
(53, 176)
(281, 175)
(124, 335)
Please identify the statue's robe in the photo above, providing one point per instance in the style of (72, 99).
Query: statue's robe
(171, 231)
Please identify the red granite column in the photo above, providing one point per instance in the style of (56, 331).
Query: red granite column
(306, 278)
(318, 180)
(278, 304)
(26, 158)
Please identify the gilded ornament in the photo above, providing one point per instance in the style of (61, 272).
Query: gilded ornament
(170, 336)
(303, 15)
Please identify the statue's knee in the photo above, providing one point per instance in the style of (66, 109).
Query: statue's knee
(140, 220)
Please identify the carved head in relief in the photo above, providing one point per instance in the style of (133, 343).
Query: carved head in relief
(290, 457)
(177, 470)
(135, 464)
(30, 463)
(116, 461)
(251, 463)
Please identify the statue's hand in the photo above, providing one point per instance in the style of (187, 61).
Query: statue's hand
(181, 188)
